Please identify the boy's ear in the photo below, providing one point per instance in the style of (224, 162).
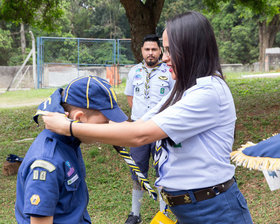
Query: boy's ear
(80, 116)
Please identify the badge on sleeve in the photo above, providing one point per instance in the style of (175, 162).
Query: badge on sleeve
(35, 199)
(43, 175)
(43, 164)
(35, 175)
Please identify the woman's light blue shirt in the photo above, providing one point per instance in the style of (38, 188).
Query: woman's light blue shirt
(202, 126)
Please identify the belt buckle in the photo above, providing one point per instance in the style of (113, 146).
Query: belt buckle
(165, 198)
(187, 199)
(216, 190)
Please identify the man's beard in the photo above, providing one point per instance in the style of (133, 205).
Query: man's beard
(151, 63)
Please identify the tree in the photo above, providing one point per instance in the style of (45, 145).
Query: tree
(267, 15)
(267, 34)
(40, 13)
(236, 36)
(143, 17)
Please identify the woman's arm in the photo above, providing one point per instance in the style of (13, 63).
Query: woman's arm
(124, 134)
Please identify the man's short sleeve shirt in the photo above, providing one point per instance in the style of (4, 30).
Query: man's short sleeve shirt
(146, 96)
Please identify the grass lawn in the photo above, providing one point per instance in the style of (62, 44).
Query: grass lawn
(108, 178)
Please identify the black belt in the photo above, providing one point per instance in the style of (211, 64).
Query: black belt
(200, 195)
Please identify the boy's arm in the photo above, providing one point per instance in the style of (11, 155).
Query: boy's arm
(41, 220)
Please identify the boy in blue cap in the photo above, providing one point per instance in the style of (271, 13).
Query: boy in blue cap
(51, 185)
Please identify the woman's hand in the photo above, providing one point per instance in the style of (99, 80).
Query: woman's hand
(57, 123)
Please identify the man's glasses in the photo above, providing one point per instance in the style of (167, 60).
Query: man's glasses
(165, 51)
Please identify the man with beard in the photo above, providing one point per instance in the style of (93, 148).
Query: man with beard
(146, 84)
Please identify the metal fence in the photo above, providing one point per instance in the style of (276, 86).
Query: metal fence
(78, 56)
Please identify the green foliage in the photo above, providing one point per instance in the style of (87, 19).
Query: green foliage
(236, 36)
(234, 22)
(5, 44)
(40, 13)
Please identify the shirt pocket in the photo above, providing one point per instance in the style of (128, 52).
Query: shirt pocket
(71, 193)
(139, 86)
(163, 87)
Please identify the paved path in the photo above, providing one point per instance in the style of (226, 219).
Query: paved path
(34, 103)
(264, 75)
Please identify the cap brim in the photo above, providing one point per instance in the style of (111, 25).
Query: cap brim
(116, 114)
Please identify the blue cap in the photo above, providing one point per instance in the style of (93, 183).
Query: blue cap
(92, 92)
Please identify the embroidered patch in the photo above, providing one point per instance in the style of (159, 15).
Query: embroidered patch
(163, 78)
(163, 70)
(35, 199)
(179, 145)
(137, 89)
(35, 175)
(162, 90)
(72, 180)
(138, 77)
(71, 169)
(139, 70)
(43, 164)
(43, 175)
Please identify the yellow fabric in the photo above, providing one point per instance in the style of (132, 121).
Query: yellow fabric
(160, 218)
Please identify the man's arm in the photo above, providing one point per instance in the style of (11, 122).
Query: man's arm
(41, 220)
(129, 101)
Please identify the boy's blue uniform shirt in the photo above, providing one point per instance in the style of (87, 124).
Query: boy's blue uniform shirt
(51, 181)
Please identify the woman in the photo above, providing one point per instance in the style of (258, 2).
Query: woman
(193, 127)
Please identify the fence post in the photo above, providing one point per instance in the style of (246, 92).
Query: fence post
(34, 59)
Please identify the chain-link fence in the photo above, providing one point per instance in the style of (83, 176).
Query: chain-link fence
(60, 59)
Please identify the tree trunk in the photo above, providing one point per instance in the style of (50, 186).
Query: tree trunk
(267, 35)
(22, 40)
(143, 19)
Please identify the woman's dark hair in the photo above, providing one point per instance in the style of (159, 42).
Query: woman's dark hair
(193, 50)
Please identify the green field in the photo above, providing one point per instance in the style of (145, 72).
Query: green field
(108, 178)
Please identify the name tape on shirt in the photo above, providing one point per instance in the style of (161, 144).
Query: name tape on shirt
(73, 179)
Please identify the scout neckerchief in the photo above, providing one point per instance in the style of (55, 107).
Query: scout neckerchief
(148, 77)
(158, 151)
(141, 178)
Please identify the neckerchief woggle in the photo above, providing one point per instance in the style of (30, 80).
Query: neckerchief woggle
(264, 155)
